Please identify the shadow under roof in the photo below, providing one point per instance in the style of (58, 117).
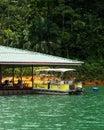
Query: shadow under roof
(14, 56)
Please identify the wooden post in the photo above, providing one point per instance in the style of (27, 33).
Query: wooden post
(21, 74)
(13, 74)
(32, 76)
(0, 74)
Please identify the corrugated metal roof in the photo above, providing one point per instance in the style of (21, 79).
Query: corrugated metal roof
(14, 56)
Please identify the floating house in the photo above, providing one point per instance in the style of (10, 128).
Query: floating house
(13, 57)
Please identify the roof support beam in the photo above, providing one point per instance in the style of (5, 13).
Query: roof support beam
(32, 76)
(13, 74)
(0, 74)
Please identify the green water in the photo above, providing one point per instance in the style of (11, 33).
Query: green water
(53, 112)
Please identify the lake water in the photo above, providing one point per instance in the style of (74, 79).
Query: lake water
(53, 112)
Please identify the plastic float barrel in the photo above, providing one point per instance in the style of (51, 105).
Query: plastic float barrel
(95, 89)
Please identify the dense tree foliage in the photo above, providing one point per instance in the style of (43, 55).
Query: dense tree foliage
(67, 28)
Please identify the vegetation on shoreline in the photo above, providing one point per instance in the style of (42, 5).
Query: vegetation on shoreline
(70, 29)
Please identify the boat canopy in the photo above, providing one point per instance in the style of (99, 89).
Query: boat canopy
(56, 70)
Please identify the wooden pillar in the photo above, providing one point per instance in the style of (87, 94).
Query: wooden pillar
(21, 74)
(0, 74)
(13, 74)
(32, 76)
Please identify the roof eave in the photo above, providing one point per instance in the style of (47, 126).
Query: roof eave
(39, 63)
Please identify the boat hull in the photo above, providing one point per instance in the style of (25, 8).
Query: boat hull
(57, 92)
(58, 89)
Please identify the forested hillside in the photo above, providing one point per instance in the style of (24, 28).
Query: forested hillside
(68, 28)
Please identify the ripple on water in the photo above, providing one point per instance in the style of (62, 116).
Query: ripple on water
(51, 112)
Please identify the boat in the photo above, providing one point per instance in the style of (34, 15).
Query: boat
(55, 81)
